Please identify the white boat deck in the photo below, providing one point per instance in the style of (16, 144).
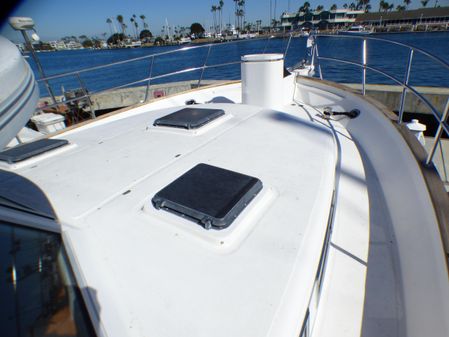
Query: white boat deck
(148, 272)
(150, 265)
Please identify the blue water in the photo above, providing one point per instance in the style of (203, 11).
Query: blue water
(387, 57)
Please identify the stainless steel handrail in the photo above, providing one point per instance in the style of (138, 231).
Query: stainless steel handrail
(140, 58)
(422, 51)
(183, 71)
(151, 57)
(442, 124)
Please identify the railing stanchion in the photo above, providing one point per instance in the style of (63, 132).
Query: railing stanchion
(438, 133)
(84, 89)
(204, 66)
(147, 91)
(39, 66)
(288, 46)
(318, 58)
(404, 89)
(364, 68)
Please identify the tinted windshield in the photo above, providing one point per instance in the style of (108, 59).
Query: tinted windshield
(38, 294)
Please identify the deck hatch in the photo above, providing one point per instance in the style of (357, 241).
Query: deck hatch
(189, 118)
(209, 195)
(28, 150)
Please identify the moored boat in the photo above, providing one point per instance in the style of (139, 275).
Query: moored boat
(355, 30)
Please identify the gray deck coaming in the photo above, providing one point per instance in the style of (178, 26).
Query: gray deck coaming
(347, 253)
(383, 311)
(437, 191)
(418, 318)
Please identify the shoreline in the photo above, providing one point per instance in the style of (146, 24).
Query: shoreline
(262, 37)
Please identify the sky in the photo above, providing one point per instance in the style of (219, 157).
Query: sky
(58, 18)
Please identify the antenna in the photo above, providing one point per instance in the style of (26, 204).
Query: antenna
(23, 24)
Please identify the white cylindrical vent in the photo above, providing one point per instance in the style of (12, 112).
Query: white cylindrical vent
(262, 76)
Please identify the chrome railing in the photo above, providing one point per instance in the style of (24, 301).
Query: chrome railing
(441, 118)
(148, 80)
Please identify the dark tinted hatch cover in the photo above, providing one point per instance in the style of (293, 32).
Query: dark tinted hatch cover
(209, 195)
(189, 118)
(28, 150)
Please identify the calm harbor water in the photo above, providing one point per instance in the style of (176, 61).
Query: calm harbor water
(385, 56)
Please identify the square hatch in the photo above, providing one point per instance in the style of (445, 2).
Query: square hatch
(28, 150)
(208, 195)
(189, 118)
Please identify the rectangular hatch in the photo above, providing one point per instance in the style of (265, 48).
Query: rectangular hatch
(189, 118)
(208, 195)
(28, 150)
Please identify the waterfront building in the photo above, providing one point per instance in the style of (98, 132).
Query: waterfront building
(73, 45)
(57, 45)
(320, 19)
(416, 19)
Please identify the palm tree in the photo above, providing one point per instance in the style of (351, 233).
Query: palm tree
(214, 11)
(424, 2)
(137, 29)
(136, 25)
(386, 6)
(236, 12)
(241, 12)
(219, 19)
(333, 7)
(221, 4)
(407, 2)
(240, 15)
(319, 8)
(132, 25)
(306, 6)
(345, 6)
(363, 4)
(121, 24)
(144, 24)
(109, 22)
(400, 8)
(381, 5)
